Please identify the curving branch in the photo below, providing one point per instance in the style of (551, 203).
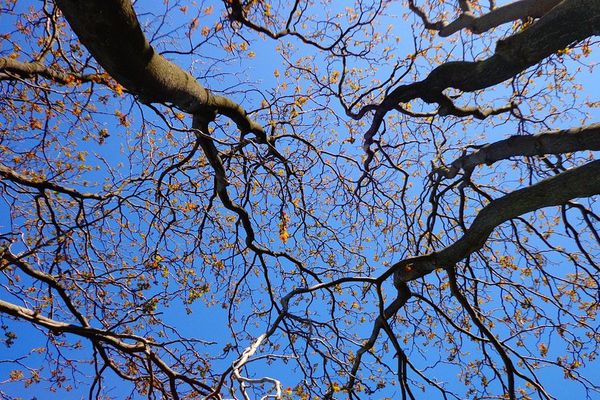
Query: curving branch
(126, 343)
(12, 69)
(381, 323)
(578, 182)
(553, 142)
(521, 9)
(48, 279)
(434, 26)
(447, 107)
(102, 25)
(62, 327)
(237, 12)
(129, 344)
(570, 21)
(42, 185)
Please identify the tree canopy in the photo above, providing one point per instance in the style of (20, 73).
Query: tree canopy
(299, 199)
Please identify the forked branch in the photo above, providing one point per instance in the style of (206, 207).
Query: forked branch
(102, 25)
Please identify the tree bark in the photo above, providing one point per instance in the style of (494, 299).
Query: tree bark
(111, 32)
(558, 142)
(510, 12)
(568, 22)
(578, 182)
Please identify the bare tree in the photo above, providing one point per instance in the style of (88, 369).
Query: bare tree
(366, 216)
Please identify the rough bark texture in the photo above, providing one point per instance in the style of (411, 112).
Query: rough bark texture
(110, 30)
(558, 142)
(570, 21)
(501, 15)
(578, 182)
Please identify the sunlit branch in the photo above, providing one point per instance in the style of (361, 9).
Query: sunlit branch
(553, 142)
(582, 181)
(242, 360)
(568, 22)
(42, 185)
(101, 26)
(62, 327)
(11, 69)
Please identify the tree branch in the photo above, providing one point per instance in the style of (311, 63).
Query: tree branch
(62, 327)
(554, 142)
(41, 185)
(102, 26)
(140, 344)
(582, 181)
(521, 9)
(9, 69)
(568, 22)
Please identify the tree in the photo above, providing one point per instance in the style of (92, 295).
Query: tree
(367, 200)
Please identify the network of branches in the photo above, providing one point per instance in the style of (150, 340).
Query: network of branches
(299, 199)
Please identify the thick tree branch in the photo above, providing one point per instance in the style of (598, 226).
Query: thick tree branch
(110, 30)
(568, 22)
(556, 142)
(510, 12)
(11, 69)
(521, 9)
(578, 182)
